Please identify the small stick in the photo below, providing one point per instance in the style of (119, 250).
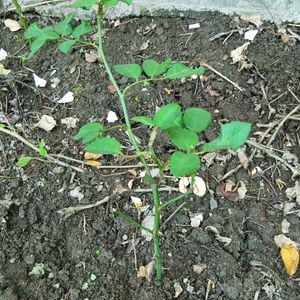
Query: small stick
(295, 171)
(281, 124)
(27, 143)
(71, 210)
(294, 118)
(173, 213)
(223, 76)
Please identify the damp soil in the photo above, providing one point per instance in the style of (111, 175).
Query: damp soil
(95, 240)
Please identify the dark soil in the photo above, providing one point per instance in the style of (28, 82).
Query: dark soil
(95, 241)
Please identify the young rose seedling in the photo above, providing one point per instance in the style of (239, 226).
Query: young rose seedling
(182, 127)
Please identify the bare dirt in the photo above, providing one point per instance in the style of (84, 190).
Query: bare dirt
(96, 241)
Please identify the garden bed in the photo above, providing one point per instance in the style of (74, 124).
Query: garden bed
(95, 241)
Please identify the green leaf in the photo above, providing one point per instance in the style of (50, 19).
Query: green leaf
(83, 28)
(89, 132)
(196, 119)
(233, 135)
(168, 116)
(153, 68)
(66, 45)
(148, 179)
(42, 150)
(184, 139)
(35, 46)
(85, 4)
(2, 126)
(179, 70)
(144, 120)
(64, 27)
(33, 31)
(23, 161)
(184, 164)
(133, 71)
(41, 37)
(104, 145)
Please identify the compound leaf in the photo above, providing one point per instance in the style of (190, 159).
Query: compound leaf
(66, 45)
(133, 71)
(83, 28)
(196, 119)
(179, 70)
(104, 145)
(184, 164)
(168, 116)
(233, 135)
(89, 132)
(184, 139)
(85, 4)
(144, 120)
(33, 31)
(64, 27)
(35, 46)
(153, 68)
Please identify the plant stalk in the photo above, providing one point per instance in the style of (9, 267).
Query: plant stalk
(120, 94)
(156, 232)
(21, 16)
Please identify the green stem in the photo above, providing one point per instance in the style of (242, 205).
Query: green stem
(156, 232)
(128, 87)
(21, 16)
(179, 197)
(120, 94)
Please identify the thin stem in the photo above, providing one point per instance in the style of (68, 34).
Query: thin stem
(179, 197)
(21, 16)
(156, 232)
(133, 222)
(120, 94)
(128, 87)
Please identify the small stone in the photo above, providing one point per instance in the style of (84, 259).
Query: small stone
(199, 268)
(58, 170)
(213, 203)
(159, 31)
(125, 237)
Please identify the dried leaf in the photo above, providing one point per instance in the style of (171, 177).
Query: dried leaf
(146, 271)
(281, 240)
(290, 257)
(12, 25)
(93, 163)
(178, 289)
(244, 160)
(46, 122)
(244, 65)
(294, 192)
(112, 117)
(88, 155)
(38, 81)
(132, 172)
(237, 54)
(92, 56)
(130, 183)
(67, 98)
(212, 92)
(231, 191)
(71, 122)
(218, 237)
(256, 20)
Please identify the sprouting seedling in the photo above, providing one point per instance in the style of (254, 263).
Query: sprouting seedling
(182, 127)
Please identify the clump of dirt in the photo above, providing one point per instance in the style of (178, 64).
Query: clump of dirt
(96, 241)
